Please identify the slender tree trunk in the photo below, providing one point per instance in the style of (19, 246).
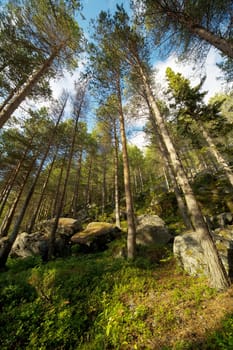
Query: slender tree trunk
(104, 189)
(74, 205)
(140, 179)
(10, 215)
(26, 88)
(58, 188)
(166, 179)
(88, 188)
(217, 271)
(38, 205)
(116, 177)
(220, 160)
(131, 237)
(6, 191)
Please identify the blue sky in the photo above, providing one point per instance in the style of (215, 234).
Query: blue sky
(91, 8)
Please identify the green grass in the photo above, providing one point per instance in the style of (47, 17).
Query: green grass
(97, 302)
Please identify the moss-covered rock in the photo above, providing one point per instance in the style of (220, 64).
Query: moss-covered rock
(97, 235)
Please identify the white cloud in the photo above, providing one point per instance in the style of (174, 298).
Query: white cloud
(212, 83)
(139, 139)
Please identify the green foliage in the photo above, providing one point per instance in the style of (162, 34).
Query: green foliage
(189, 106)
(213, 192)
(223, 339)
(175, 25)
(91, 302)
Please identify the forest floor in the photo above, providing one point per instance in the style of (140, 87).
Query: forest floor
(97, 302)
(197, 318)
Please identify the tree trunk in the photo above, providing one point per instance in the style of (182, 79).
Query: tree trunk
(88, 188)
(131, 237)
(220, 160)
(116, 177)
(6, 191)
(74, 204)
(104, 187)
(38, 205)
(7, 221)
(26, 88)
(217, 271)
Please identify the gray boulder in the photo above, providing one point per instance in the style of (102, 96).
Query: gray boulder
(190, 255)
(27, 245)
(38, 244)
(151, 230)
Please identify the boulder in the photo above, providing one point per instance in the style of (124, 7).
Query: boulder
(190, 255)
(66, 226)
(37, 243)
(27, 245)
(96, 236)
(151, 230)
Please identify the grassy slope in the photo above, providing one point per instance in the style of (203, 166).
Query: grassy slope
(95, 302)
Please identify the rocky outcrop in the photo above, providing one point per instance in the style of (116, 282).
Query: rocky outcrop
(190, 255)
(96, 236)
(151, 230)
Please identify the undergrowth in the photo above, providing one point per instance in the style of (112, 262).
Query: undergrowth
(97, 302)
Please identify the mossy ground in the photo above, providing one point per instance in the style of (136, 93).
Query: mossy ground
(98, 302)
